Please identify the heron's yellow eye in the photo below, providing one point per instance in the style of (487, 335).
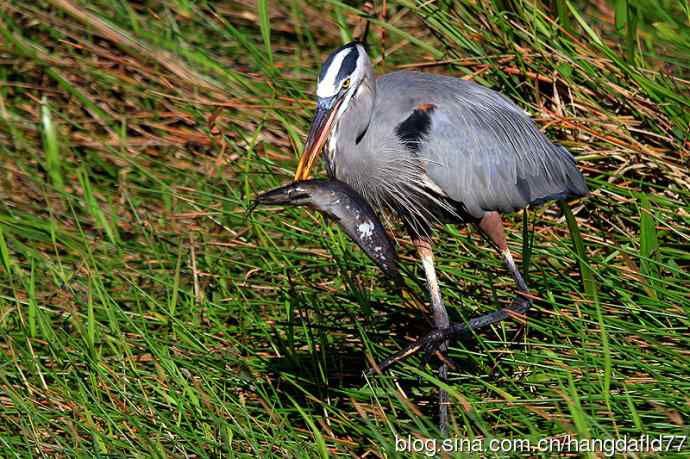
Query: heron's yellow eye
(346, 84)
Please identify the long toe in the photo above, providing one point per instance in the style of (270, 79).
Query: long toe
(428, 350)
(429, 344)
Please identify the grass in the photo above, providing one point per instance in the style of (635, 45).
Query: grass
(142, 313)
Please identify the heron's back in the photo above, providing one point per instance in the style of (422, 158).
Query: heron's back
(478, 147)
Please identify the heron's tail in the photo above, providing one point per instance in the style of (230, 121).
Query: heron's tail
(570, 181)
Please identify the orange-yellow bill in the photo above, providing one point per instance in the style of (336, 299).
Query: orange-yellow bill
(318, 133)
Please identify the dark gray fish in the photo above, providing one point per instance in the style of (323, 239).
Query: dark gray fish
(354, 215)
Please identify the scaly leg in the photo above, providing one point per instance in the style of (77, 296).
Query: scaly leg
(441, 322)
(491, 227)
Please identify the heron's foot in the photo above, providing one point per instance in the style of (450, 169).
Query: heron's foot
(435, 343)
(429, 344)
(440, 350)
(436, 338)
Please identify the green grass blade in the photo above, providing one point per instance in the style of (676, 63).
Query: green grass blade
(583, 23)
(649, 246)
(5, 253)
(94, 208)
(318, 437)
(631, 32)
(577, 413)
(51, 147)
(90, 323)
(172, 305)
(579, 247)
(527, 245)
(265, 25)
(563, 18)
(33, 304)
(620, 9)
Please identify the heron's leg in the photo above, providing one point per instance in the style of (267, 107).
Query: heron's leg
(440, 315)
(492, 226)
(441, 321)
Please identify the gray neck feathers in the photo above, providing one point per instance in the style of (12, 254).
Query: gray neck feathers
(348, 144)
(361, 105)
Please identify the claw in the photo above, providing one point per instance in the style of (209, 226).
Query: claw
(448, 361)
(428, 350)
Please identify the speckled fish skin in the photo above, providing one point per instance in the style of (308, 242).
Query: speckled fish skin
(354, 215)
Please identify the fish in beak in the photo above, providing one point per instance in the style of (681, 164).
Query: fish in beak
(326, 110)
(349, 209)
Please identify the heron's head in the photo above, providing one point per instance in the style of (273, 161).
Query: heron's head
(340, 82)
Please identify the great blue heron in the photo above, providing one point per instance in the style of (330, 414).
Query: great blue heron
(433, 149)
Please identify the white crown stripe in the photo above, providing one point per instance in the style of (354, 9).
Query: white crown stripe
(327, 86)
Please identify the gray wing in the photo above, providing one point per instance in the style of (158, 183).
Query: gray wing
(482, 150)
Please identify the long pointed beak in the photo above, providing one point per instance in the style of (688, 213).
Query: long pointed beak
(318, 133)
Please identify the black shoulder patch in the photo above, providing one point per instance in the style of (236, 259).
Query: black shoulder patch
(416, 126)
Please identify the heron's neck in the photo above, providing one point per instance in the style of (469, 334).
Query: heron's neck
(364, 100)
(350, 133)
